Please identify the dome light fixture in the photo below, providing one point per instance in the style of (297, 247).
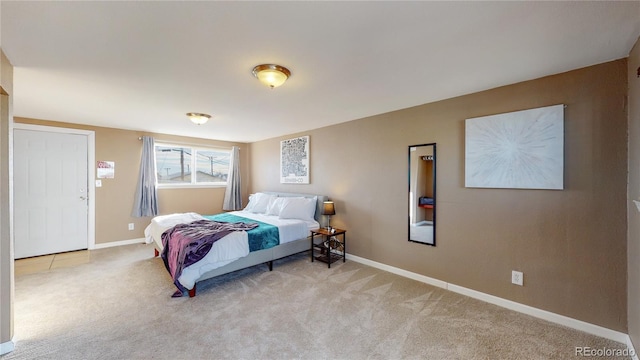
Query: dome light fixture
(271, 75)
(198, 118)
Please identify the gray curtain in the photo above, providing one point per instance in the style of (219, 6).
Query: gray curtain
(146, 200)
(233, 195)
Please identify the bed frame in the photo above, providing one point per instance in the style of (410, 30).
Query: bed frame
(266, 256)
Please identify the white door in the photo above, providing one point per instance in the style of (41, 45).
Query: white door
(50, 192)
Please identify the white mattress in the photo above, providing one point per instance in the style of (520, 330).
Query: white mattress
(231, 247)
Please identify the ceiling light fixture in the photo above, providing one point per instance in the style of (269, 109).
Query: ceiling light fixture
(271, 75)
(198, 118)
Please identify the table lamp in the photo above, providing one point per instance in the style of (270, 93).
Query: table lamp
(328, 209)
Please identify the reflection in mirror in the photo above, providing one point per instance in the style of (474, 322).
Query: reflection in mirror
(422, 193)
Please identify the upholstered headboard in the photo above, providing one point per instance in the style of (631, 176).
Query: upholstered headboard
(319, 203)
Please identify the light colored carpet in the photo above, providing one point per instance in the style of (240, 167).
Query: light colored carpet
(119, 307)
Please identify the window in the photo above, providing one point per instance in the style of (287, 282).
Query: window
(176, 166)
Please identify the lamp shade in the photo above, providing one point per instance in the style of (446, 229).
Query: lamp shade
(271, 75)
(328, 208)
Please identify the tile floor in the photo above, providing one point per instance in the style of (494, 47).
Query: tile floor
(48, 262)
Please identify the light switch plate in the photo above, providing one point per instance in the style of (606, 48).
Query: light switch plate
(98, 183)
(637, 204)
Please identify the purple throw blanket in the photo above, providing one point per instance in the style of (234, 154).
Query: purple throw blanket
(185, 244)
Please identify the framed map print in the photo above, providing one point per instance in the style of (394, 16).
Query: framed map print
(294, 161)
(517, 150)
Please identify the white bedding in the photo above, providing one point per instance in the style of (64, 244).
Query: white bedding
(289, 229)
(162, 223)
(231, 247)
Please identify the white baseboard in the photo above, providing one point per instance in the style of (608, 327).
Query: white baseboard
(542, 314)
(398, 271)
(512, 305)
(7, 347)
(632, 349)
(117, 243)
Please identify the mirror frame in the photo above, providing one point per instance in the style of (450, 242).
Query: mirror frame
(409, 202)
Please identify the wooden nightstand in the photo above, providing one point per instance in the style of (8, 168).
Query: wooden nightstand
(330, 246)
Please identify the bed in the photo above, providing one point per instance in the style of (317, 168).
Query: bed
(235, 251)
(422, 231)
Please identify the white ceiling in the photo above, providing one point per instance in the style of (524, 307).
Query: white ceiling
(143, 65)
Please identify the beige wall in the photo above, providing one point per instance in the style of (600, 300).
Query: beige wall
(633, 238)
(114, 200)
(570, 244)
(6, 242)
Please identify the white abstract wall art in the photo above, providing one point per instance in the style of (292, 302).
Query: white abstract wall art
(294, 161)
(517, 150)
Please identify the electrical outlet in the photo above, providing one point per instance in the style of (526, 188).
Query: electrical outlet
(131, 226)
(517, 278)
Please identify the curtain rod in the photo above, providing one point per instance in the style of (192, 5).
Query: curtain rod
(189, 144)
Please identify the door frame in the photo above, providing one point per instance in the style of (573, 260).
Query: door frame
(91, 174)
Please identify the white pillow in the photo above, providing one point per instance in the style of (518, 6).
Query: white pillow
(261, 203)
(252, 202)
(275, 205)
(298, 208)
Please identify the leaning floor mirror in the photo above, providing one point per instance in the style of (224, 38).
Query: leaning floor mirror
(422, 194)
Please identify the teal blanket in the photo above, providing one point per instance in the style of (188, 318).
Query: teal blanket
(263, 237)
